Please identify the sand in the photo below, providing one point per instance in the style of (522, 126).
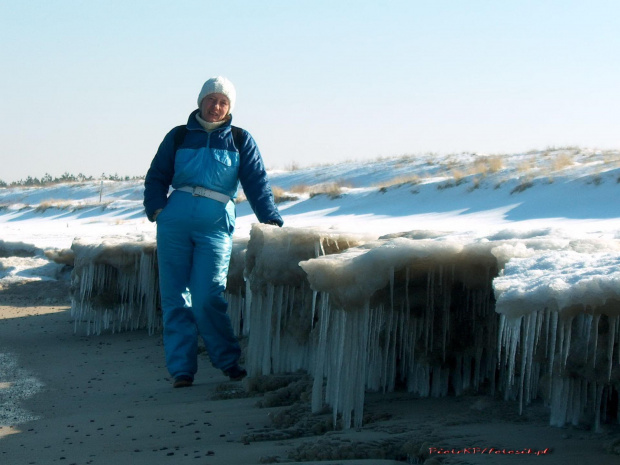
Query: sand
(73, 399)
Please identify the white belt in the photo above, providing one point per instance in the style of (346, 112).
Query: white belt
(202, 192)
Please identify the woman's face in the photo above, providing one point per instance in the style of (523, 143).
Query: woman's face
(214, 107)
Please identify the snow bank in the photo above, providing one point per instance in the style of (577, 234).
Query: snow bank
(18, 249)
(20, 262)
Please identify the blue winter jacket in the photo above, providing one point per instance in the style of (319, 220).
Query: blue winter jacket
(210, 160)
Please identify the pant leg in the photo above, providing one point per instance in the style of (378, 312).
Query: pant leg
(175, 256)
(213, 245)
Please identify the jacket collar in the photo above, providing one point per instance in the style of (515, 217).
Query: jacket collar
(194, 125)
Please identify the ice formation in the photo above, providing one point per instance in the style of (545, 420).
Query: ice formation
(115, 285)
(280, 305)
(528, 314)
(559, 331)
(417, 312)
(235, 287)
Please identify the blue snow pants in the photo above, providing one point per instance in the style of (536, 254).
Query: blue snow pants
(194, 242)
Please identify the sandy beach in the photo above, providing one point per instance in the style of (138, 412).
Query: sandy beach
(73, 399)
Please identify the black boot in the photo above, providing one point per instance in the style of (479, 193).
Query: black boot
(236, 373)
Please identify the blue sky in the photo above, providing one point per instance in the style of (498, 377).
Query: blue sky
(92, 86)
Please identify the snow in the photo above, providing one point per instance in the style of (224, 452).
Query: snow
(450, 274)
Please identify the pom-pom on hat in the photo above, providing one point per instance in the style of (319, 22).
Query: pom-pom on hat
(220, 85)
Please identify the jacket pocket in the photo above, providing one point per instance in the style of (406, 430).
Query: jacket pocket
(224, 176)
(226, 158)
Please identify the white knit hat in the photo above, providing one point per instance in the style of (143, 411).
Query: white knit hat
(220, 85)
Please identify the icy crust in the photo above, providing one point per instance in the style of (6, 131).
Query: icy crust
(115, 284)
(558, 331)
(274, 253)
(352, 277)
(558, 281)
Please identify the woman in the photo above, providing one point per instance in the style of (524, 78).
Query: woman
(204, 162)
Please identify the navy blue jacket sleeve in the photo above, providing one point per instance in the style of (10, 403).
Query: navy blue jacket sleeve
(159, 177)
(255, 182)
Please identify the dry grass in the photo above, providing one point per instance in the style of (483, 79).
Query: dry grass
(400, 181)
(69, 205)
(496, 164)
(527, 166)
(332, 189)
(458, 176)
(280, 195)
(301, 189)
(487, 165)
(561, 161)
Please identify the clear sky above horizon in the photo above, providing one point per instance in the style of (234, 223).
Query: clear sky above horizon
(92, 86)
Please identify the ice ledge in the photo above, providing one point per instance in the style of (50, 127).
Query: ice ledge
(528, 315)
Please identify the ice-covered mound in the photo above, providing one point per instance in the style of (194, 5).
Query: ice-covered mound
(280, 304)
(114, 284)
(419, 309)
(559, 317)
(402, 310)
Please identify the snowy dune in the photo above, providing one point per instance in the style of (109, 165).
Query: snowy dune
(431, 270)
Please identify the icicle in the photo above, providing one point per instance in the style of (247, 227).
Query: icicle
(248, 306)
(276, 354)
(314, 295)
(548, 348)
(559, 401)
(428, 316)
(568, 329)
(587, 332)
(337, 366)
(513, 340)
(597, 318)
(562, 333)
(319, 365)
(597, 406)
(388, 341)
(500, 333)
(613, 322)
(392, 288)
(554, 330)
(266, 333)
(445, 323)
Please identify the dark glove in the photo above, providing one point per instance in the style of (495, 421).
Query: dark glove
(274, 223)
